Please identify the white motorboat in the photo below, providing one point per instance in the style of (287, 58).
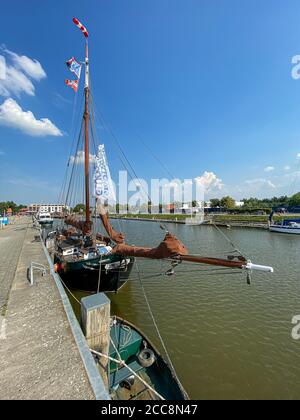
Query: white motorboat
(44, 218)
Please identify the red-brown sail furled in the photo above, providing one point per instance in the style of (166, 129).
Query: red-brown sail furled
(103, 238)
(82, 225)
(117, 237)
(169, 247)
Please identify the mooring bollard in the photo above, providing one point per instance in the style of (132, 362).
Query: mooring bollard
(95, 322)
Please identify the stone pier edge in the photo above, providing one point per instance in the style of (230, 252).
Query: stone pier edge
(93, 373)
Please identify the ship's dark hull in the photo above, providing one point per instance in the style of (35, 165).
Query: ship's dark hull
(45, 223)
(85, 274)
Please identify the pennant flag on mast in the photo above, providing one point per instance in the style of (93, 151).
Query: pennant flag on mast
(74, 66)
(73, 84)
(81, 27)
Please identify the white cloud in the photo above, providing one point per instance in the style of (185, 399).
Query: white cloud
(2, 67)
(12, 115)
(260, 182)
(287, 168)
(290, 176)
(209, 181)
(15, 82)
(298, 156)
(31, 67)
(15, 77)
(269, 169)
(79, 158)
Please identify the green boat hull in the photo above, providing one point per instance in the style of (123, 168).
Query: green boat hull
(130, 342)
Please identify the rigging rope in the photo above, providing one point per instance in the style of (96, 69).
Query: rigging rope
(156, 158)
(109, 130)
(229, 240)
(74, 162)
(154, 322)
(73, 136)
(73, 296)
(122, 363)
(99, 276)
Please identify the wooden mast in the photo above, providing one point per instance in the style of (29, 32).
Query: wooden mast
(86, 145)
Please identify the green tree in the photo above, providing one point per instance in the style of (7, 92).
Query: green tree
(79, 208)
(12, 205)
(215, 202)
(295, 200)
(3, 207)
(227, 202)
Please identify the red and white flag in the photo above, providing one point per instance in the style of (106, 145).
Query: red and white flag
(73, 84)
(81, 27)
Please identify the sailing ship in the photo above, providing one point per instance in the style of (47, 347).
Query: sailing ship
(83, 257)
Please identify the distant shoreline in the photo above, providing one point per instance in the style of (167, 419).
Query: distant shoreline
(227, 221)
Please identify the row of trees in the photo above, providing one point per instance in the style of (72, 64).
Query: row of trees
(266, 203)
(5, 205)
(225, 202)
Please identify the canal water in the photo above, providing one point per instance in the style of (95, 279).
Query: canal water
(226, 339)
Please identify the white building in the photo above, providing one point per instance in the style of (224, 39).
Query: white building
(239, 204)
(48, 208)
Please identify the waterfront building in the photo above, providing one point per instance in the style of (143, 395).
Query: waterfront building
(48, 208)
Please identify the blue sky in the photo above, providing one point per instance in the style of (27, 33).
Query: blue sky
(206, 84)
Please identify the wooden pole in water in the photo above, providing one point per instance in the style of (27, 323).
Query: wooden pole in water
(95, 321)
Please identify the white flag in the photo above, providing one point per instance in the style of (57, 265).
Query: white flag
(103, 186)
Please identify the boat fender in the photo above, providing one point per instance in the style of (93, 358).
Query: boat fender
(128, 382)
(146, 358)
(57, 267)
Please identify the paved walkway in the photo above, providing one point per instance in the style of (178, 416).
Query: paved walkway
(38, 355)
(11, 242)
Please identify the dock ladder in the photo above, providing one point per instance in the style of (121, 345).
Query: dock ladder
(35, 266)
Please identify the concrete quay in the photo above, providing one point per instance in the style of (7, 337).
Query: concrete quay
(39, 353)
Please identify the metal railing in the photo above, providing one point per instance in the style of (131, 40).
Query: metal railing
(35, 266)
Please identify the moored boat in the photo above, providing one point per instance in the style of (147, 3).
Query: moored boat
(93, 269)
(84, 258)
(44, 219)
(145, 375)
(289, 226)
